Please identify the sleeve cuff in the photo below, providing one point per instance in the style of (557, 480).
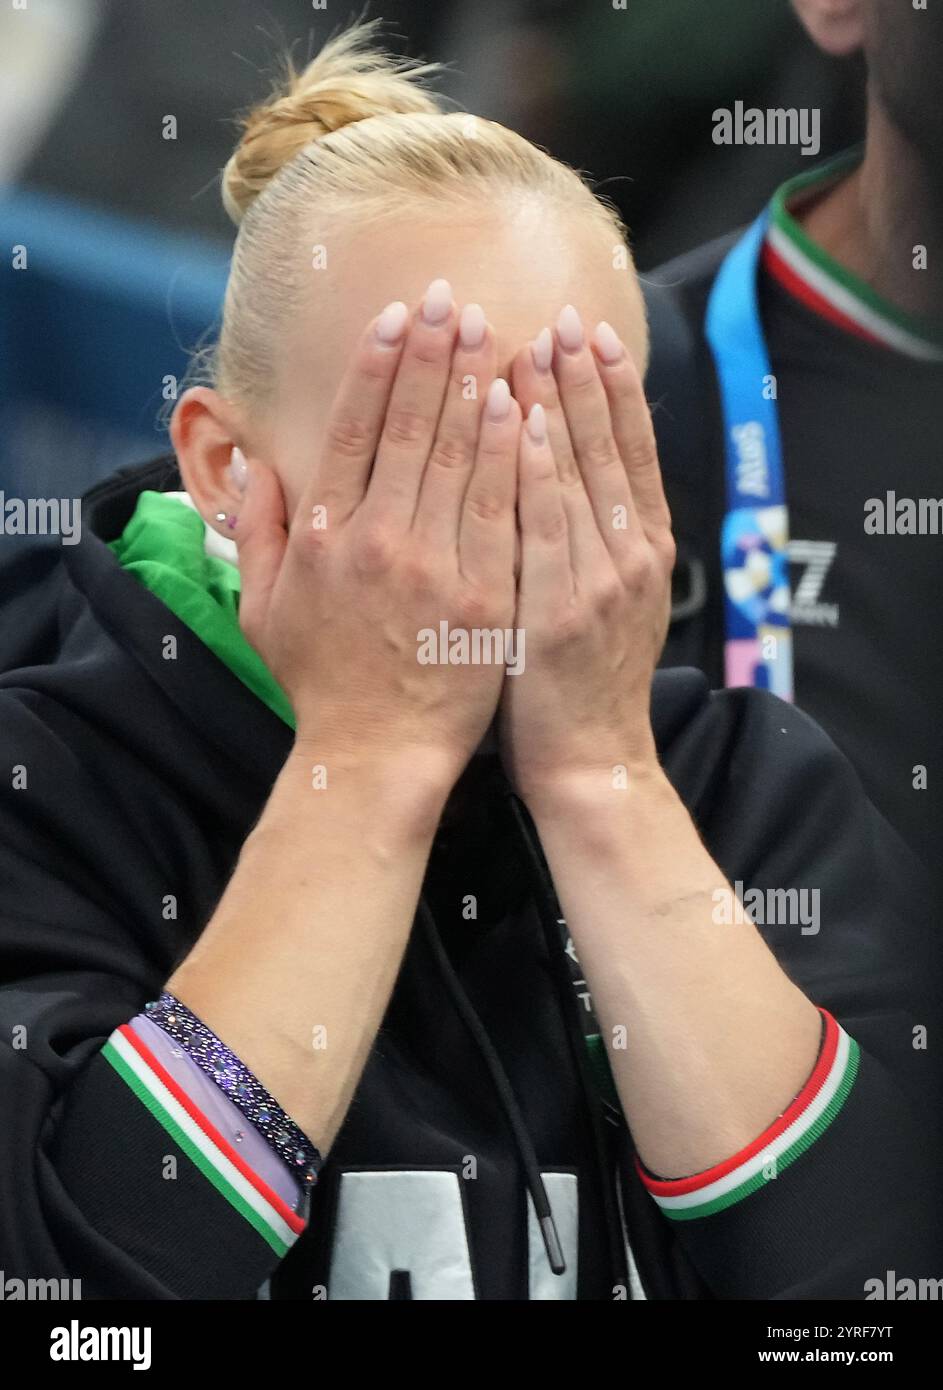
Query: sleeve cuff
(799, 1126)
(221, 1111)
(205, 1146)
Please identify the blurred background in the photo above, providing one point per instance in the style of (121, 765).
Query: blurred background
(116, 117)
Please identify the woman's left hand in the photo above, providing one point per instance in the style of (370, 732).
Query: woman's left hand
(719, 1037)
(596, 561)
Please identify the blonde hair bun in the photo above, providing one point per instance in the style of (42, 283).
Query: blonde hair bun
(351, 79)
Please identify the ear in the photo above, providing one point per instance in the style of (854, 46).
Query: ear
(836, 26)
(205, 430)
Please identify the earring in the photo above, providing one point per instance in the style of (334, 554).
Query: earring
(229, 520)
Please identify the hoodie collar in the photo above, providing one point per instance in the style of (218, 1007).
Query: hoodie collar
(240, 732)
(166, 545)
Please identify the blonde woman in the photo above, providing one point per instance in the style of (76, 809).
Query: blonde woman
(282, 922)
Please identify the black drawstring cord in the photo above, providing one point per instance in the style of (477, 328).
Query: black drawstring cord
(549, 913)
(522, 1139)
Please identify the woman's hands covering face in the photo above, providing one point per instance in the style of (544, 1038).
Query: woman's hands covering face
(407, 524)
(428, 485)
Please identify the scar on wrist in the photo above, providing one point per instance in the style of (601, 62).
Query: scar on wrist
(668, 905)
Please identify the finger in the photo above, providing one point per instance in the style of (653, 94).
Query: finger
(415, 404)
(356, 419)
(535, 384)
(450, 464)
(261, 538)
(486, 531)
(632, 428)
(586, 407)
(545, 543)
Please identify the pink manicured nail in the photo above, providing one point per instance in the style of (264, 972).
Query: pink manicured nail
(391, 325)
(541, 349)
(608, 343)
(537, 424)
(437, 303)
(471, 327)
(498, 400)
(570, 329)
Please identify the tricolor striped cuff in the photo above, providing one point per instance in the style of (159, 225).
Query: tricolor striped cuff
(806, 1119)
(201, 1141)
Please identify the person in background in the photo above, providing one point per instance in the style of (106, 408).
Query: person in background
(797, 376)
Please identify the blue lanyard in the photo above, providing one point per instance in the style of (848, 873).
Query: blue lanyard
(755, 531)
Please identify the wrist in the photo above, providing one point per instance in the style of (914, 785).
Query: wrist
(641, 837)
(600, 794)
(404, 789)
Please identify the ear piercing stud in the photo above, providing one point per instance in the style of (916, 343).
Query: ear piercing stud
(237, 476)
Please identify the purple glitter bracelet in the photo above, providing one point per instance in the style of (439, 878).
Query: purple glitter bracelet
(237, 1082)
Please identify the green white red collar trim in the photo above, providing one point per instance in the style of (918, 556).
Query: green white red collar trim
(810, 274)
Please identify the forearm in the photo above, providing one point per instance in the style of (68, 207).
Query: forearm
(296, 967)
(711, 1039)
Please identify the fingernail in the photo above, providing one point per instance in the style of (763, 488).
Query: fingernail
(570, 329)
(498, 400)
(541, 349)
(608, 343)
(237, 472)
(437, 303)
(391, 325)
(471, 326)
(537, 424)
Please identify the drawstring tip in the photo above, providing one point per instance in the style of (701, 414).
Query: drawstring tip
(552, 1244)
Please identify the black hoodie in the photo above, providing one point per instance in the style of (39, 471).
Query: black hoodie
(142, 783)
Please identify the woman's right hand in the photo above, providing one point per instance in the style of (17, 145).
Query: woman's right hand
(408, 522)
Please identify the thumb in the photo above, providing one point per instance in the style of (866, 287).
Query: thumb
(261, 538)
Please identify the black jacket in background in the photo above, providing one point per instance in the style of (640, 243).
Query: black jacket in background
(144, 778)
(856, 420)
